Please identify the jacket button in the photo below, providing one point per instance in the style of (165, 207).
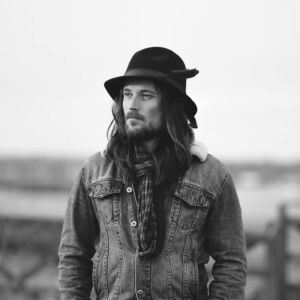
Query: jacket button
(140, 292)
(133, 223)
(129, 190)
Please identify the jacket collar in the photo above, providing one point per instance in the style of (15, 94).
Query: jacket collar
(198, 149)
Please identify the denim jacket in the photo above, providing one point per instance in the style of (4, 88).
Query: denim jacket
(203, 218)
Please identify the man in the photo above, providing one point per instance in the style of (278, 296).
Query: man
(153, 206)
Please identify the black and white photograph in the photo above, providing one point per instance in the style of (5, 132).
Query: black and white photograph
(150, 150)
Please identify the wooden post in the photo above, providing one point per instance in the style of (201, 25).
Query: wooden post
(277, 257)
(281, 253)
(271, 235)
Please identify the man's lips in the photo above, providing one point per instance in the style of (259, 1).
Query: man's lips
(134, 116)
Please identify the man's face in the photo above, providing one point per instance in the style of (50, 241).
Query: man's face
(141, 105)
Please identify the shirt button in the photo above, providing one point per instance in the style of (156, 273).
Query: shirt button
(129, 190)
(133, 223)
(140, 292)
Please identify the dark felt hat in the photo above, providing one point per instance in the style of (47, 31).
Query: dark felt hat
(160, 64)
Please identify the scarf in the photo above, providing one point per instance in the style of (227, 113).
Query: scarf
(150, 206)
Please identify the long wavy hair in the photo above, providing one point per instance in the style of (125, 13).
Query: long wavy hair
(172, 154)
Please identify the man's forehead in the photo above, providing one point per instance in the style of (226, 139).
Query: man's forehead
(139, 83)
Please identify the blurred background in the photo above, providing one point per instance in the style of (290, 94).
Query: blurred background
(55, 57)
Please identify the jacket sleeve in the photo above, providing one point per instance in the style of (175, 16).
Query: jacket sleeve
(225, 243)
(77, 244)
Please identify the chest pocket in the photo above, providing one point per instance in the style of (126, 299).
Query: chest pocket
(191, 205)
(106, 197)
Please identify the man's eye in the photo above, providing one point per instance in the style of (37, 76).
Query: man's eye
(127, 94)
(147, 96)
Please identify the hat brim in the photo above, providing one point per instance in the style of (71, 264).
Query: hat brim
(114, 86)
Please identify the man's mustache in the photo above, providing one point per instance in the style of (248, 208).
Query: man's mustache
(133, 114)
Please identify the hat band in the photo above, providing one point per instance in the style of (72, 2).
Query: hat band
(148, 73)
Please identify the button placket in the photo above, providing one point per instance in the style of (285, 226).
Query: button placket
(130, 190)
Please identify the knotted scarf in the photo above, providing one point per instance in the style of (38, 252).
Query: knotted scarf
(150, 206)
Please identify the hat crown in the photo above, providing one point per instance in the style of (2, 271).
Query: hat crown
(158, 59)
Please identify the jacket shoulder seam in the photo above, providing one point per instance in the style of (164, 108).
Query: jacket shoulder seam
(223, 184)
(222, 187)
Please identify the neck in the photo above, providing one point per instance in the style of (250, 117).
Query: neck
(149, 145)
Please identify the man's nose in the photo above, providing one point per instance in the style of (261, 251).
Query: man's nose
(134, 103)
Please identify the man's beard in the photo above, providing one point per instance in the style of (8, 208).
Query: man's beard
(145, 133)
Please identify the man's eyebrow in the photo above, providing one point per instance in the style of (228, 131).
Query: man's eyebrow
(148, 91)
(141, 91)
(126, 89)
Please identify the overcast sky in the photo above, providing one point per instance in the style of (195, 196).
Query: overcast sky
(56, 55)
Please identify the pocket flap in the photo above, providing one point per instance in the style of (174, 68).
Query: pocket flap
(106, 187)
(191, 195)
